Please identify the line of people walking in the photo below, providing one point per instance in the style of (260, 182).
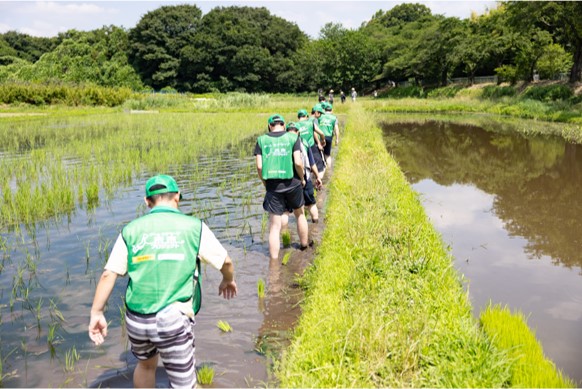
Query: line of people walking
(291, 161)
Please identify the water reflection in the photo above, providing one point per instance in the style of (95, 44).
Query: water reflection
(507, 205)
(536, 180)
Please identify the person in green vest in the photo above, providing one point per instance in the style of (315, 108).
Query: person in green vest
(160, 253)
(312, 179)
(312, 137)
(280, 168)
(328, 123)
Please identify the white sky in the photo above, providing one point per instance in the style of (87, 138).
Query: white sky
(48, 18)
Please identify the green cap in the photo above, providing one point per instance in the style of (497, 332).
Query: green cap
(291, 126)
(276, 118)
(302, 113)
(318, 108)
(327, 106)
(161, 184)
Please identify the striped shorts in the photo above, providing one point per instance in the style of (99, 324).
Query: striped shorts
(169, 333)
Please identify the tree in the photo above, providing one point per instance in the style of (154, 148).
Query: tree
(157, 43)
(242, 48)
(562, 19)
(28, 47)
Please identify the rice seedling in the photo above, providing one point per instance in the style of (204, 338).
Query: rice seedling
(224, 326)
(260, 288)
(205, 375)
(4, 375)
(286, 238)
(71, 358)
(286, 258)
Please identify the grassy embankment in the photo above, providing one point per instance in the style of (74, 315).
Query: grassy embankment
(384, 307)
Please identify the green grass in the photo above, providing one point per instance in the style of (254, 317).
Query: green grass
(286, 238)
(261, 288)
(530, 368)
(384, 306)
(224, 326)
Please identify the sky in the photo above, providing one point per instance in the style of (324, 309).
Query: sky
(48, 18)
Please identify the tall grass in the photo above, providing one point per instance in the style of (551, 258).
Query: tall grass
(383, 306)
(530, 368)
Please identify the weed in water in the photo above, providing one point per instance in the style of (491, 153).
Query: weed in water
(286, 239)
(205, 375)
(224, 326)
(261, 288)
(286, 258)
(71, 358)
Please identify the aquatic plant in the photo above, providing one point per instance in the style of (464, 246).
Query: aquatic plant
(261, 288)
(224, 326)
(286, 258)
(71, 358)
(205, 375)
(286, 238)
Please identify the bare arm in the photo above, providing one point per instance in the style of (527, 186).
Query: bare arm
(227, 287)
(298, 161)
(321, 136)
(97, 323)
(259, 160)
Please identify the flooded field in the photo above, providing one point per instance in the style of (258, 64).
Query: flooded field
(49, 270)
(508, 206)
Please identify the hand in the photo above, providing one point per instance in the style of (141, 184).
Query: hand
(318, 183)
(303, 182)
(97, 328)
(336, 141)
(228, 289)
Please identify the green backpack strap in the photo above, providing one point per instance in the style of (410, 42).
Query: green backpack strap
(197, 293)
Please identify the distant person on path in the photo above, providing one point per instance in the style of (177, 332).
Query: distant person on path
(316, 112)
(160, 252)
(375, 93)
(354, 95)
(330, 96)
(312, 179)
(280, 168)
(328, 123)
(312, 136)
(342, 96)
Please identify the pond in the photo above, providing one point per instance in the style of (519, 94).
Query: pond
(49, 271)
(509, 207)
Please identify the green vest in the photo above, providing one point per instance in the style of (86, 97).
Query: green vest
(327, 124)
(162, 259)
(277, 153)
(306, 130)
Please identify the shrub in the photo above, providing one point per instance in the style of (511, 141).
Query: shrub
(496, 92)
(403, 92)
(447, 91)
(548, 93)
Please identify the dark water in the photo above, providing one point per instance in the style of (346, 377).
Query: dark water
(509, 206)
(70, 254)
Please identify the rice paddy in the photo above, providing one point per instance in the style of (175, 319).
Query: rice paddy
(70, 182)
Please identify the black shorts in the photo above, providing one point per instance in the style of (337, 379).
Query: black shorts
(309, 193)
(279, 202)
(318, 158)
(327, 148)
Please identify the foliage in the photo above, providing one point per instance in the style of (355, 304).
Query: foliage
(26, 47)
(447, 91)
(205, 375)
(507, 73)
(157, 41)
(62, 93)
(404, 91)
(548, 93)
(496, 92)
(554, 61)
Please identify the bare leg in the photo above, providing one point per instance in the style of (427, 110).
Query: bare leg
(274, 232)
(144, 375)
(314, 212)
(302, 229)
(284, 220)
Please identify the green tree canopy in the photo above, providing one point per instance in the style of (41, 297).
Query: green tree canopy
(157, 43)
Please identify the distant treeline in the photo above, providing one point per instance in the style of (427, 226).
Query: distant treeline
(247, 49)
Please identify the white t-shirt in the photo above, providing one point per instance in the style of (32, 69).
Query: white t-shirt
(211, 251)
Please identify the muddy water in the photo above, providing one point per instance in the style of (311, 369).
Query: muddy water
(70, 255)
(509, 207)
